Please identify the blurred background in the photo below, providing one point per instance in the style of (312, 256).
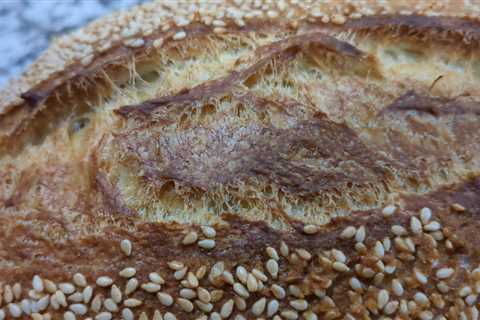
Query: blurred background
(26, 27)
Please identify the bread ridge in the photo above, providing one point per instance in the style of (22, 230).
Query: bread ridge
(70, 218)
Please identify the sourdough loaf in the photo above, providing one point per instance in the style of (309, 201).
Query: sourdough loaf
(247, 160)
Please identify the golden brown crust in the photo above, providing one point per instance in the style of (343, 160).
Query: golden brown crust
(301, 126)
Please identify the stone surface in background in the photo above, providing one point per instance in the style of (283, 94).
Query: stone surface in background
(26, 27)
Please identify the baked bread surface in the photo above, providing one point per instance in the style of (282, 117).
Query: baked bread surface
(245, 161)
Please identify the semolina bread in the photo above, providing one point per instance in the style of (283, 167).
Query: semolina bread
(247, 160)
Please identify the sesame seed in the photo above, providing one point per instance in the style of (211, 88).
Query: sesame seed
(169, 316)
(50, 286)
(179, 35)
(355, 284)
(103, 316)
(201, 272)
(34, 316)
(143, 316)
(165, 299)
(96, 303)
(87, 294)
(278, 291)
(179, 274)
(42, 304)
(443, 287)
(471, 299)
(67, 288)
(360, 234)
(14, 310)
(378, 279)
(410, 245)
(132, 302)
(464, 291)
(348, 232)
(203, 295)
(420, 276)
(310, 229)
(215, 316)
(304, 254)
(69, 316)
(259, 306)
(26, 306)
(425, 214)
(175, 265)
(131, 286)
(151, 287)
(284, 249)
(272, 253)
(127, 314)
(240, 303)
(379, 249)
(208, 232)
(127, 272)
(126, 247)
(78, 308)
(60, 297)
(252, 283)
(299, 304)
(295, 291)
(185, 304)
(398, 230)
(272, 268)
(421, 299)
(37, 283)
(259, 275)
(445, 273)
(116, 294)
(79, 280)
(458, 207)
(272, 307)
(382, 298)
(397, 287)
(205, 307)
(426, 315)
(240, 290)
(76, 297)
(192, 280)
(227, 309)
(190, 238)
(391, 307)
(340, 267)
(104, 281)
(241, 274)
(216, 295)
(156, 315)
(206, 244)
(188, 293)
(432, 226)
(339, 255)
(415, 225)
(289, 314)
(389, 210)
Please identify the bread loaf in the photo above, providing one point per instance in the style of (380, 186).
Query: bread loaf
(247, 160)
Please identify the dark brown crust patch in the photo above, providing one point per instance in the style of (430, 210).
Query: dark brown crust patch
(434, 106)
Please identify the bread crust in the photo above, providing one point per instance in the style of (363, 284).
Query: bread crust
(334, 150)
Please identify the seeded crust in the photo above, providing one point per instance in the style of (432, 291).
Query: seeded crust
(332, 149)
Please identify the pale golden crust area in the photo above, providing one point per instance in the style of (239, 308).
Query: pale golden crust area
(333, 151)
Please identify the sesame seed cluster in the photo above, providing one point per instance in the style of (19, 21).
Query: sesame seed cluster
(401, 272)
